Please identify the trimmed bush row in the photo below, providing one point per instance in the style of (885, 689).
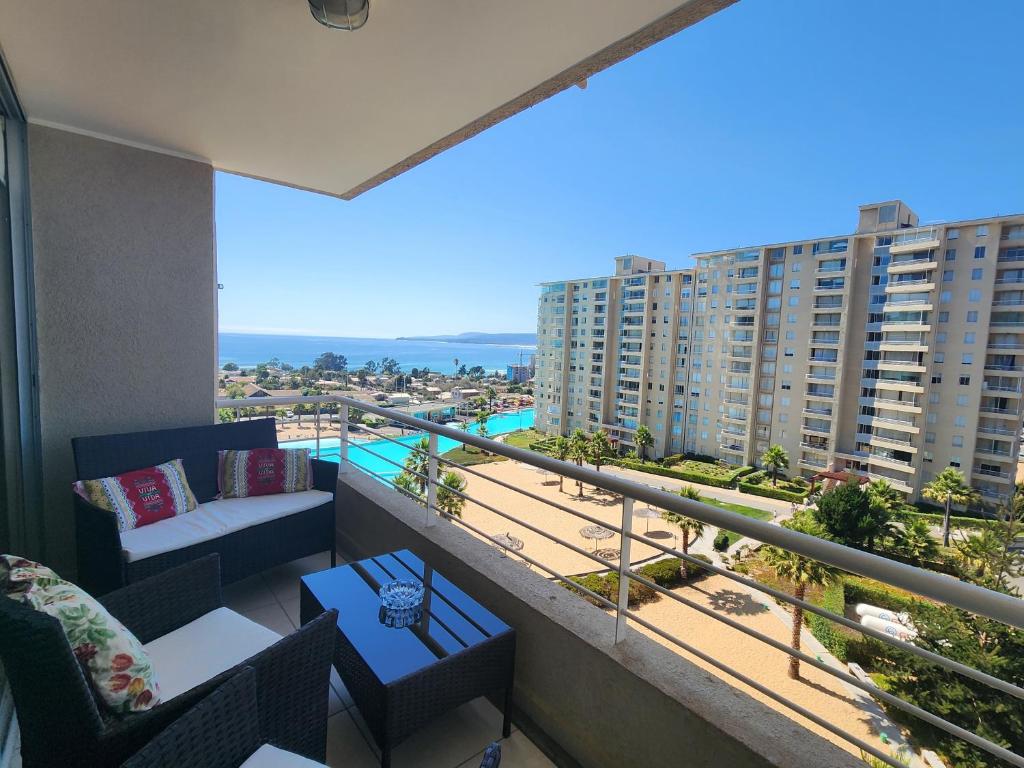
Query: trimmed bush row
(972, 523)
(827, 632)
(860, 590)
(665, 573)
(690, 477)
(772, 493)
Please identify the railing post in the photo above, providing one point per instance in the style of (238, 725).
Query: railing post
(432, 479)
(343, 434)
(316, 420)
(624, 545)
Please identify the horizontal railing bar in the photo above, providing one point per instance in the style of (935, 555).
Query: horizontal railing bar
(565, 579)
(942, 661)
(922, 714)
(535, 497)
(1005, 608)
(414, 473)
(800, 710)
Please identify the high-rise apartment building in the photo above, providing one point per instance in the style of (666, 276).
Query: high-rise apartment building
(894, 351)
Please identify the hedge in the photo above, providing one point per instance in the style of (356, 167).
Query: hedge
(972, 523)
(826, 631)
(771, 492)
(861, 590)
(608, 587)
(690, 477)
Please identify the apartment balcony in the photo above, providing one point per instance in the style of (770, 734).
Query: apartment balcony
(821, 413)
(903, 425)
(735, 418)
(812, 462)
(901, 365)
(826, 287)
(991, 474)
(889, 462)
(915, 241)
(1002, 390)
(900, 484)
(815, 430)
(817, 322)
(733, 431)
(739, 353)
(825, 339)
(905, 326)
(910, 286)
(818, 446)
(996, 454)
(815, 394)
(997, 429)
(823, 378)
(733, 448)
(911, 305)
(1008, 302)
(912, 265)
(892, 403)
(1007, 368)
(898, 443)
(1002, 344)
(736, 386)
(735, 399)
(823, 359)
(899, 385)
(902, 346)
(999, 411)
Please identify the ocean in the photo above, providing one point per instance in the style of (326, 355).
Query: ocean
(250, 349)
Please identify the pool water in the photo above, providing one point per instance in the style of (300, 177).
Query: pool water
(499, 424)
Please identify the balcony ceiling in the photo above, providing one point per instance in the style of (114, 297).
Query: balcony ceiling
(257, 87)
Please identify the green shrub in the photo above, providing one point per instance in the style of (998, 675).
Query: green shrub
(664, 573)
(688, 474)
(695, 570)
(768, 491)
(607, 586)
(955, 521)
(721, 542)
(861, 590)
(828, 632)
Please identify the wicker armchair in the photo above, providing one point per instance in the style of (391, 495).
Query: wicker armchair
(61, 722)
(222, 731)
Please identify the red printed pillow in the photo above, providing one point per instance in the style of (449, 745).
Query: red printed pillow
(142, 496)
(264, 471)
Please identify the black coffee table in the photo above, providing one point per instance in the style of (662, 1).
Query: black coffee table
(402, 678)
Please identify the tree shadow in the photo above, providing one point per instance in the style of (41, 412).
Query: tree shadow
(657, 535)
(835, 695)
(734, 603)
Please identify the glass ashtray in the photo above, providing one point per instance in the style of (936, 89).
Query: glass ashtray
(401, 594)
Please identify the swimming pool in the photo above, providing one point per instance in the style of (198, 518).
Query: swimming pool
(499, 424)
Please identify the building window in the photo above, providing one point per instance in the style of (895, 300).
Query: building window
(945, 297)
(981, 231)
(794, 301)
(972, 316)
(794, 285)
(929, 437)
(940, 337)
(789, 352)
(940, 357)
(795, 267)
(974, 296)
(969, 337)
(979, 251)
(976, 274)
(786, 385)
(797, 250)
(933, 418)
(958, 441)
(933, 398)
(961, 401)
(937, 379)
(887, 214)
(967, 358)
(965, 381)
(951, 254)
(947, 276)
(943, 317)
(790, 319)
(952, 234)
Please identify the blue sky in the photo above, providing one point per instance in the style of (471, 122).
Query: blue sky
(772, 120)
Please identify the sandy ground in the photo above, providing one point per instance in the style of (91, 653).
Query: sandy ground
(818, 691)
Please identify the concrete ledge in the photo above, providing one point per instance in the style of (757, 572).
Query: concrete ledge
(589, 701)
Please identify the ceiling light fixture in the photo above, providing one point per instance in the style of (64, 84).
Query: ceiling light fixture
(340, 14)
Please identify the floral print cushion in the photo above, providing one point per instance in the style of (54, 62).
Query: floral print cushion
(112, 657)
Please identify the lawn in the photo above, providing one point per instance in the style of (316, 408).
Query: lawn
(757, 514)
(468, 458)
(704, 468)
(523, 437)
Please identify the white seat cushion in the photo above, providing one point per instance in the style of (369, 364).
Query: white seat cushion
(204, 648)
(213, 520)
(236, 514)
(268, 756)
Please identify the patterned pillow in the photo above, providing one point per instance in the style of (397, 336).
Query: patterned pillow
(113, 657)
(142, 496)
(264, 471)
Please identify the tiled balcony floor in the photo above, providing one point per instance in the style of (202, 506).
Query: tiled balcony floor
(456, 740)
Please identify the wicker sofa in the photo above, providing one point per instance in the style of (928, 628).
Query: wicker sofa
(250, 535)
(196, 645)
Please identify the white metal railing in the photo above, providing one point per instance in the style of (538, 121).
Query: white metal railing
(997, 606)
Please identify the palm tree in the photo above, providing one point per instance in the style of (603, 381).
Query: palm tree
(561, 451)
(481, 423)
(916, 541)
(418, 463)
(600, 447)
(775, 458)
(490, 393)
(579, 450)
(691, 528)
(464, 426)
(949, 487)
(802, 572)
(448, 500)
(644, 440)
(406, 484)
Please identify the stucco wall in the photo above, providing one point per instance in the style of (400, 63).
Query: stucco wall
(588, 701)
(125, 275)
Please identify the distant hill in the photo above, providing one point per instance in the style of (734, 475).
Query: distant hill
(518, 339)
